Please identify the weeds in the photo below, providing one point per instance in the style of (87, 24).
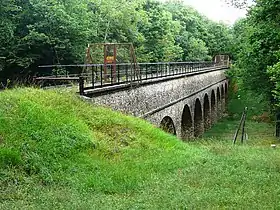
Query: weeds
(58, 152)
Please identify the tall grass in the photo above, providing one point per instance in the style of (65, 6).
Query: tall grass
(58, 152)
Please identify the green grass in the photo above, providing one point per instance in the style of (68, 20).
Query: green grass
(256, 131)
(58, 152)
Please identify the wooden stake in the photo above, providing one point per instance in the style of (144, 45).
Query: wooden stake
(243, 125)
(237, 131)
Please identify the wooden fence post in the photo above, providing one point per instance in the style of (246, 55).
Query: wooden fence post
(243, 126)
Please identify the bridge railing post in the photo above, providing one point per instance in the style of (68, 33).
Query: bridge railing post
(101, 76)
(118, 72)
(81, 85)
(92, 76)
(112, 79)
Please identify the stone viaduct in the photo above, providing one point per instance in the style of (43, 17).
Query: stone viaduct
(183, 105)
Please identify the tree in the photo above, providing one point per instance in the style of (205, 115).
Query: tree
(239, 3)
(36, 32)
(200, 38)
(160, 33)
(258, 41)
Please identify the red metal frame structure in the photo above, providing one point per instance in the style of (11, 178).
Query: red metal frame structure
(110, 51)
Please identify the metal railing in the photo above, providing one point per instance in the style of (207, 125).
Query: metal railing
(98, 77)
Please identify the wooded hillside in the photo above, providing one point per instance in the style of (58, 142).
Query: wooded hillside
(35, 32)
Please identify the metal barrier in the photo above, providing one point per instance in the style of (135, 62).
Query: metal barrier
(100, 75)
(125, 73)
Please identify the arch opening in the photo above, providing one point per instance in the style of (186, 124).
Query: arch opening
(226, 89)
(213, 107)
(219, 104)
(206, 112)
(187, 123)
(223, 92)
(223, 98)
(226, 92)
(218, 94)
(198, 122)
(167, 125)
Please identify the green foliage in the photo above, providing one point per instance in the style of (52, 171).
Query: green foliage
(160, 32)
(257, 47)
(200, 38)
(239, 3)
(241, 97)
(274, 74)
(35, 32)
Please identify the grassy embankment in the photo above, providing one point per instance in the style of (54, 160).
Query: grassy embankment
(57, 152)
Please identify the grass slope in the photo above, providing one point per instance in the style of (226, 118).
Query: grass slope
(58, 152)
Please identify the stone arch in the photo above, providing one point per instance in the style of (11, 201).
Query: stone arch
(213, 107)
(167, 125)
(206, 112)
(198, 122)
(187, 123)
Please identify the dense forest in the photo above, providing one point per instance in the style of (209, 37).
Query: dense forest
(257, 50)
(35, 32)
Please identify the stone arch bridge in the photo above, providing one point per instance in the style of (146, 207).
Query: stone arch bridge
(184, 99)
